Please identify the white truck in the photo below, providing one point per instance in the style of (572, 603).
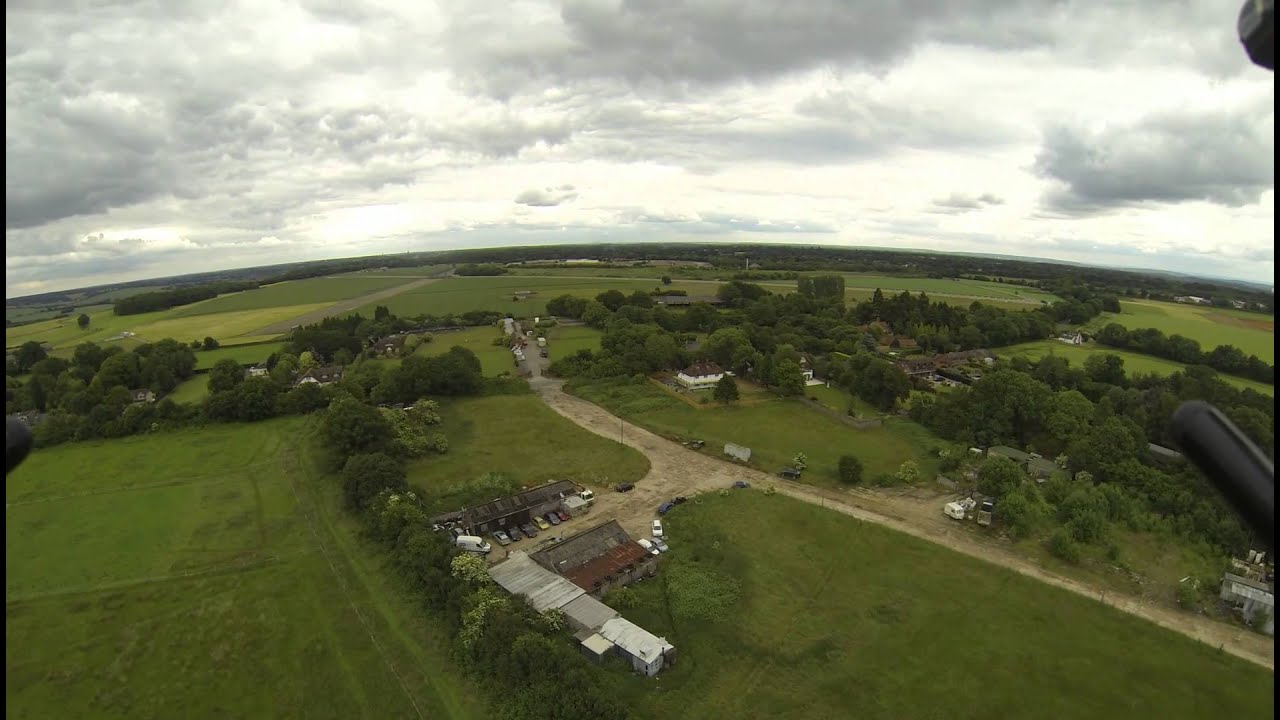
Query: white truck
(960, 509)
(472, 543)
(542, 342)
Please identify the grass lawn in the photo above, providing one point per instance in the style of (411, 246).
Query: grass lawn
(494, 359)
(243, 354)
(519, 436)
(201, 573)
(221, 326)
(1133, 362)
(1253, 333)
(311, 291)
(840, 401)
(775, 429)
(840, 619)
(192, 390)
(457, 295)
(565, 340)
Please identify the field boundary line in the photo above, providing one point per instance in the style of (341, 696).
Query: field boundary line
(314, 316)
(196, 480)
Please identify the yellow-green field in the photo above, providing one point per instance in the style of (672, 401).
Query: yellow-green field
(1133, 362)
(312, 291)
(1253, 333)
(228, 328)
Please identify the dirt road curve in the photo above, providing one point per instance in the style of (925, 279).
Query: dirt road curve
(679, 471)
(345, 306)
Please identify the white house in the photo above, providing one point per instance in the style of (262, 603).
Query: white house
(1071, 338)
(700, 376)
(321, 376)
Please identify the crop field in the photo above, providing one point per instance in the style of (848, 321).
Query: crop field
(243, 354)
(192, 390)
(835, 618)
(457, 295)
(774, 429)
(519, 436)
(1133, 362)
(309, 292)
(202, 574)
(1253, 333)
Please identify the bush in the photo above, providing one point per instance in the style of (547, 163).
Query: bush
(849, 470)
(1062, 546)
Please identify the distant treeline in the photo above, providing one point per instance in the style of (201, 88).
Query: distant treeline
(165, 299)
(481, 269)
(1223, 358)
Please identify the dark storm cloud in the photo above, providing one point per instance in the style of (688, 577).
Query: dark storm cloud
(547, 197)
(957, 203)
(1221, 157)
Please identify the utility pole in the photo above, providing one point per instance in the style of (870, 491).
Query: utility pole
(620, 431)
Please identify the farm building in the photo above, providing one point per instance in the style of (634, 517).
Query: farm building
(321, 375)
(916, 366)
(1163, 454)
(1255, 600)
(595, 647)
(1034, 465)
(1041, 469)
(142, 395)
(683, 300)
(700, 376)
(1013, 454)
(964, 357)
(516, 509)
(1071, 338)
(598, 558)
(645, 650)
(259, 370)
(388, 346)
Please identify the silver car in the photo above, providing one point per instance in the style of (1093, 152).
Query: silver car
(660, 544)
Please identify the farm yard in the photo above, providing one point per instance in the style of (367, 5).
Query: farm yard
(207, 572)
(1251, 332)
(892, 627)
(775, 429)
(1133, 362)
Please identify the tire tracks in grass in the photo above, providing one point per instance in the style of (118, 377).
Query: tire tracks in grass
(338, 308)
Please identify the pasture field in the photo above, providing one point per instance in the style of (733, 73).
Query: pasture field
(205, 573)
(228, 328)
(494, 359)
(835, 618)
(312, 291)
(836, 399)
(419, 271)
(1133, 362)
(456, 295)
(192, 390)
(243, 354)
(774, 428)
(1251, 332)
(565, 340)
(519, 436)
(976, 288)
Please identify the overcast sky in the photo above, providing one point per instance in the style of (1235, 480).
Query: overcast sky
(170, 136)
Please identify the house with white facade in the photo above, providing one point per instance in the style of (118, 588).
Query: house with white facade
(700, 376)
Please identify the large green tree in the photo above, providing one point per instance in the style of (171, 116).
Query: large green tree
(726, 389)
(351, 427)
(999, 476)
(225, 374)
(366, 475)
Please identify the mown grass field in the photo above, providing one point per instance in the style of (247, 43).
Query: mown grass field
(228, 328)
(457, 295)
(205, 573)
(243, 354)
(1253, 333)
(192, 390)
(311, 291)
(519, 436)
(836, 618)
(977, 288)
(775, 429)
(1133, 362)
(494, 359)
(565, 340)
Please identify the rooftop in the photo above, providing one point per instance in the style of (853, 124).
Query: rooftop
(594, 572)
(1012, 453)
(514, 503)
(634, 639)
(544, 589)
(581, 548)
(702, 369)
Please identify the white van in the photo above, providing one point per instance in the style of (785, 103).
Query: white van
(471, 543)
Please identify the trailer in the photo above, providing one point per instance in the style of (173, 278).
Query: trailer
(985, 511)
(959, 510)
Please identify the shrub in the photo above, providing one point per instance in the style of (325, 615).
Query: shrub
(1062, 546)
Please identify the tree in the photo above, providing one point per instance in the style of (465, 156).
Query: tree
(351, 427)
(666, 279)
(306, 398)
(726, 389)
(800, 461)
(849, 470)
(612, 299)
(1070, 414)
(307, 360)
(787, 378)
(83, 321)
(285, 368)
(366, 475)
(342, 357)
(30, 353)
(411, 343)
(381, 312)
(1105, 368)
(908, 472)
(999, 476)
(225, 374)
(595, 314)
(1024, 510)
(730, 347)
(209, 343)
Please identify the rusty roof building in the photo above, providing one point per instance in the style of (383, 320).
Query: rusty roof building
(597, 558)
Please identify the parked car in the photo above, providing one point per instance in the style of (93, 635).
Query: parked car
(789, 473)
(648, 546)
(563, 515)
(660, 544)
(501, 537)
(457, 532)
(553, 518)
(679, 499)
(514, 533)
(741, 484)
(474, 544)
(624, 487)
(529, 530)
(542, 523)
(664, 507)
(657, 528)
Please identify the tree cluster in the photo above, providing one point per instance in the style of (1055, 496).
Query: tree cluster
(165, 299)
(1223, 358)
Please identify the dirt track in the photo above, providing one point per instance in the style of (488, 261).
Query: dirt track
(345, 306)
(679, 471)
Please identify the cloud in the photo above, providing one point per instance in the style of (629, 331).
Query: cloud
(1223, 157)
(547, 197)
(960, 202)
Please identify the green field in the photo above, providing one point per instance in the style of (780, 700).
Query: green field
(419, 271)
(519, 436)
(836, 618)
(1133, 362)
(775, 429)
(565, 340)
(243, 354)
(494, 359)
(192, 390)
(228, 328)
(1253, 333)
(311, 291)
(205, 573)
(457, 295)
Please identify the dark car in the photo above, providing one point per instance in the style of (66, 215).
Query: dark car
(552, 518)
(514, 533)
(664, 507)
(529, 530)
(679, 499)
(741, 484)
(501, 537)
(563, 515)
(789, 473)
(624, 487)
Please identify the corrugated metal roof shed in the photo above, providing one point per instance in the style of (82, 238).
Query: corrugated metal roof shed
(1012, 453)
(583, 547)
(587, 613)
(613, 562)
(545, 590)
(514, 503)
(597, 645)
(637, 641)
